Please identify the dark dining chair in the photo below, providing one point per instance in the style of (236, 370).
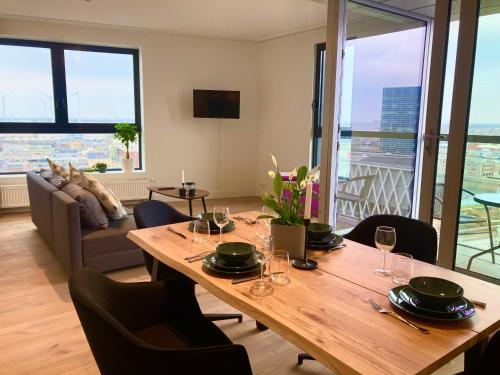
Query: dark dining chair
(413, 237)
(151, 328)
(154, 213)
(488, 363)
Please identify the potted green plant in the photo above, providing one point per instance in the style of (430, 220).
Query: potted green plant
(287, 228)
(126, 133)
(101, 167)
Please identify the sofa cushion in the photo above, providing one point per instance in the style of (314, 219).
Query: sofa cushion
(55, 180)
(92, 215)
(110, 240)
(112, 205)
(57, 169)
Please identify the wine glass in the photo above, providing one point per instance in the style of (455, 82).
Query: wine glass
(221, 219)
(264, 249)
(385, 240)
(263, 226)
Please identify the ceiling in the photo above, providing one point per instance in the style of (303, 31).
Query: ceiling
(243, 20)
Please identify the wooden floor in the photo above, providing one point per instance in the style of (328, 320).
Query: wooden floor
(39, 329)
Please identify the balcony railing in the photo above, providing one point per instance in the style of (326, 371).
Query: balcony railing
(391, 192)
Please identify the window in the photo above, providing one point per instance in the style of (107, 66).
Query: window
(61, 101)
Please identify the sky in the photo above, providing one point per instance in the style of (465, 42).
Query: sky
(396, 60)
(99, 85)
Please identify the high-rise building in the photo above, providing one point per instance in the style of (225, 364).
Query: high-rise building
(400, 113)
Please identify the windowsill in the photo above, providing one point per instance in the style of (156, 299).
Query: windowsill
(11, 179)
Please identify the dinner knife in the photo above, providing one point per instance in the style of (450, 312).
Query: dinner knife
(177, 233)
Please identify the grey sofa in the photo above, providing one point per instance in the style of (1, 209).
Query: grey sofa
(57, 217)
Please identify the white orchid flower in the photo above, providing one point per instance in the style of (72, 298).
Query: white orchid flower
(303, 184)
(293, 173)
(274, 161)
(271, 174)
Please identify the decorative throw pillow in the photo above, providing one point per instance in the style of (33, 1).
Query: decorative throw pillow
(112, 205)
(57, 169)
(92, 215)
(56, 180)
(45, 173)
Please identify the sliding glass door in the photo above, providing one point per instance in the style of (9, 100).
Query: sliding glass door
(383, 71)
(479, 213)
(466, 198)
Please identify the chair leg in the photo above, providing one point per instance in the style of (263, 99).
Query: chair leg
(302, 356)
(214, 317)
(260, 326)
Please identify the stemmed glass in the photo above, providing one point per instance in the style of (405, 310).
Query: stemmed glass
(385, 240)
(264, 252)
(263, 226)
(221, 219)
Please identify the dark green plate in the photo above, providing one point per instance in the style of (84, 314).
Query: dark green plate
(210, 268)
(398, 302)
(228, 228)
(329, 242)
(222, 265)
(409, 296)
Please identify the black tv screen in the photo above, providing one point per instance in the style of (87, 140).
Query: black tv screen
(216, 104)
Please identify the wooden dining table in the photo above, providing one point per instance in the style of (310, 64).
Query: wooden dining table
(326, 313)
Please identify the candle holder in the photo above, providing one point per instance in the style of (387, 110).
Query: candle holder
(304, 263)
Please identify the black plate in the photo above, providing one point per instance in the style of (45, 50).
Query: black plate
(228, 228)
(408, 295)
(222, 265)
(331, 241)
(209, 268)
(399, 303)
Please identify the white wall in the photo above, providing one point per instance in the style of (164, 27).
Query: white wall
(218, 154)
(286, 69)
(227, 157)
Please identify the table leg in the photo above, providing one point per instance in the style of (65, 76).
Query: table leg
(154, 272)
(491, 232)
(492, 247)
(260, 326)
(472, 357)
(204, 205)
(150, 194)
(190, 207)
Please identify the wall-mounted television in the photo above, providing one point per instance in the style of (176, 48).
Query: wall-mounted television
(216, 104)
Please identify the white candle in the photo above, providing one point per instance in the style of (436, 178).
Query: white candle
(307, 205)
(183, 176)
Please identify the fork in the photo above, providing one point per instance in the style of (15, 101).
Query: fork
(381, 310)
(245, 219)
(200, 256)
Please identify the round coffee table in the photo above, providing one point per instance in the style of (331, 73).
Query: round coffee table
(174, 193)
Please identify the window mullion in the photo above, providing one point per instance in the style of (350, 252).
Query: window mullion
(59, 82)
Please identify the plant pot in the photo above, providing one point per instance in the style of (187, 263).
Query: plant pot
(289, 238)
(128, 165)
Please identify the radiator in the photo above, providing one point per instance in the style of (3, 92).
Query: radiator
(13, 196)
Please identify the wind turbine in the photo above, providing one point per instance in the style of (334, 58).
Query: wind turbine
(77, 94)
(48, 99)
(4, 110)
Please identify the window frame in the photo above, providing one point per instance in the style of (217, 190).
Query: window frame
(61, 125)
(317, 105)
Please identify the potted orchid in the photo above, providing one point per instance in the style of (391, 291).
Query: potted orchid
(287, 228)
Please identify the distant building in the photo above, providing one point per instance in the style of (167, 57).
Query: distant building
(400, 113)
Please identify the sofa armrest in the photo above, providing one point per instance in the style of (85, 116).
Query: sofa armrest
(67, 231)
